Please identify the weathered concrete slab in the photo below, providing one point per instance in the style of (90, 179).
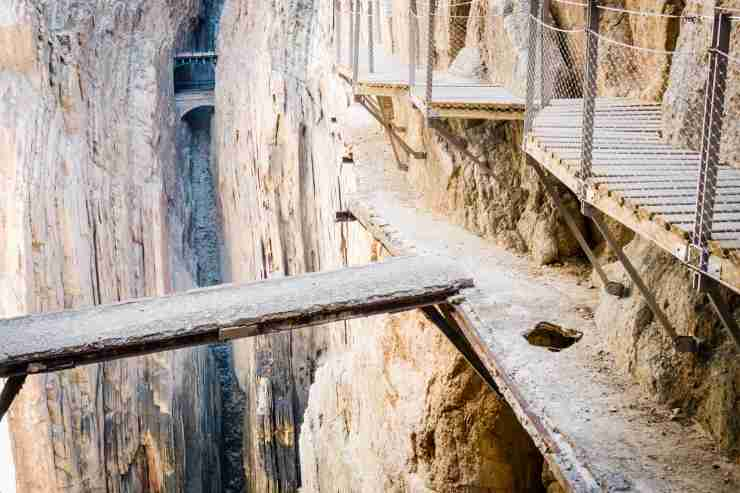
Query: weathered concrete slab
(594, 427)
(59, 340)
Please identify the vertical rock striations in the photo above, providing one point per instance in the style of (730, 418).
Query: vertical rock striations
(87, 132)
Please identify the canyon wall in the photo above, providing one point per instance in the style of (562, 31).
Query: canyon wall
(100, 207)
(87, 131)
(378, 404)
(503, 200)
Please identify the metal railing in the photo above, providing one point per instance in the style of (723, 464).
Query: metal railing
(195, 85)
(681, 93)
(438, 51)
(361, 30)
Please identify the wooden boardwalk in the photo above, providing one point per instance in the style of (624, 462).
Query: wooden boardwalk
(641, 181)
(453, 96)
(55, 341)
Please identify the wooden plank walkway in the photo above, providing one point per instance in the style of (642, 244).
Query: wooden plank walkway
(588, 420)
(453, 96)
(54, 341)
(641, 181)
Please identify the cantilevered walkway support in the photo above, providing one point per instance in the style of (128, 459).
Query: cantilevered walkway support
(437, 74)
(642, 148)
(194, 91)
(62, 340)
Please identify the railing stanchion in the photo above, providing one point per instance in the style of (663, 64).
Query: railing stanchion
(412, 49)
(338, 28)
(351, 42)
(379, 22)
(533, 54)
(706, 189)
(432, 11)
(356, 54)
(589, 103)
(370, 38)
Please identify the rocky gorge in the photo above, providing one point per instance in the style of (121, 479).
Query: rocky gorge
(109, 196)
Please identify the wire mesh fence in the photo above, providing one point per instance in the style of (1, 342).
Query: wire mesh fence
(555, 70)
(439, 54)
(363, 36)
(645, 99)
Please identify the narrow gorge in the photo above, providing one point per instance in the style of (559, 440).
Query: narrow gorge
(153, 147)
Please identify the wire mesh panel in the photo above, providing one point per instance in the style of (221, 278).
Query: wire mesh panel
(344, 33)
(362, 29)
(642, 103)
(555, 70)
(440, 58)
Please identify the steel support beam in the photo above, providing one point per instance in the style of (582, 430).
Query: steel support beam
(441, 316)
(706, 188)
(13, 386)
(457, 142)
(683, 344)
(612, 287)
(711, 288)
(374, 112)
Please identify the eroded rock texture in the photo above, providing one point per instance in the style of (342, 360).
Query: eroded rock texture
(278, 163)
(400, 410)
(86, 132)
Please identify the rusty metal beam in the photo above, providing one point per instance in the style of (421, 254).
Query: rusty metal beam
(54, 341)
(389, 128)
(11, 390)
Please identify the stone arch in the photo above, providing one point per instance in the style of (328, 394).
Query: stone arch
(189, 101)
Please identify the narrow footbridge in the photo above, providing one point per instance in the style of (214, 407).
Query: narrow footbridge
(195, 90)
(435, 72)
(188, 100)
(57, 341)
(625, 128)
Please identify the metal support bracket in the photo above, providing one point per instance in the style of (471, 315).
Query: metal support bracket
(344, 217)
(711, 288)
(439, 316)
(612, 287)
(368, 105)
(683, 344)
(11, 390)
(458, 142)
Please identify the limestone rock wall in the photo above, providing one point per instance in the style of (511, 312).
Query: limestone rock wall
(400, 410)
(354, 407)
(278, 160)
(87, 130)
(507, 204)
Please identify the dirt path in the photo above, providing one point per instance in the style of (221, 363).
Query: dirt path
(609, 436)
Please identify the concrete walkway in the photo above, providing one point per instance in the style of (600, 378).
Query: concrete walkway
(595, 428)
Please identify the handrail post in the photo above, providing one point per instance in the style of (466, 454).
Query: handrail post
(545, 91)
(706, 188)
(370, 38)
(533, 53)
(351, 43)
(379, 21)
(356, 54)
(589, 103)
(430, 57)
(412, 47)
(338, 29)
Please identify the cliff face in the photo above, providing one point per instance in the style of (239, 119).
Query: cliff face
(87, 131)
(278, 162)
(98, 207)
